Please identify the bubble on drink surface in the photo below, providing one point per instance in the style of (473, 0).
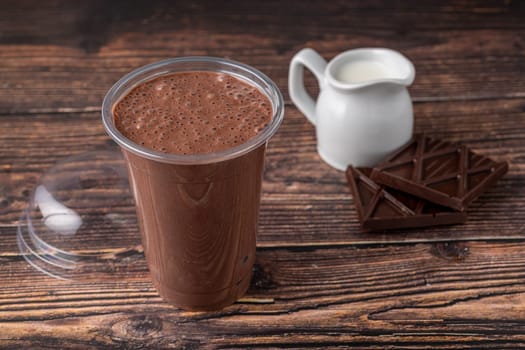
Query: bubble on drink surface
(192, 113)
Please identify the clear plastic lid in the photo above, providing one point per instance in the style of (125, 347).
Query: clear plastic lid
(80, 220)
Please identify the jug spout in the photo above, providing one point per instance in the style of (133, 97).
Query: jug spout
(355, 69)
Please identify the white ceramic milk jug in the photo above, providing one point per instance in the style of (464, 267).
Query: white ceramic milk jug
(363, 111)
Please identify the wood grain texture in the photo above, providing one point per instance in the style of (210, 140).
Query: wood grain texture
(318, 281)
(445, 296)
(74, 51)
(304, 200)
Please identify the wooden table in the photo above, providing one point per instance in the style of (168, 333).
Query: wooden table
(319, 281)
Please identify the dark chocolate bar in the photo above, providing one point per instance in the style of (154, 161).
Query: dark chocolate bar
(381, 208)
(441, 172)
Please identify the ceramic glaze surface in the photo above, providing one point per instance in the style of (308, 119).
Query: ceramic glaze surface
(363, 111)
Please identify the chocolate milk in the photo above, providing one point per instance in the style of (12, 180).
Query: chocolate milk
(198, 222)
(192, 113)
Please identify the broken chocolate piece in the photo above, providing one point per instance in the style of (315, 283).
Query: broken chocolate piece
(380, 208)
(441, 172)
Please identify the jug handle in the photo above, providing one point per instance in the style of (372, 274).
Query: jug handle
(316, 64)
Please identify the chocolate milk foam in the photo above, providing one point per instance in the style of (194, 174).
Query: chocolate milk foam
(192, 113)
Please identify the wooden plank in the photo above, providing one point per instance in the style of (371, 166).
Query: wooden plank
(443, 295)
(66, 79)
(74, 56)
(304, 201)
(83, 19)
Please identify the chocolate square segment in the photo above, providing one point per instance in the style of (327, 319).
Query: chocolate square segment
(381, 208)
(441, 172)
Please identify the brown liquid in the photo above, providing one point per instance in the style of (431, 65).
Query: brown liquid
(192, 113)
(198, 222)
